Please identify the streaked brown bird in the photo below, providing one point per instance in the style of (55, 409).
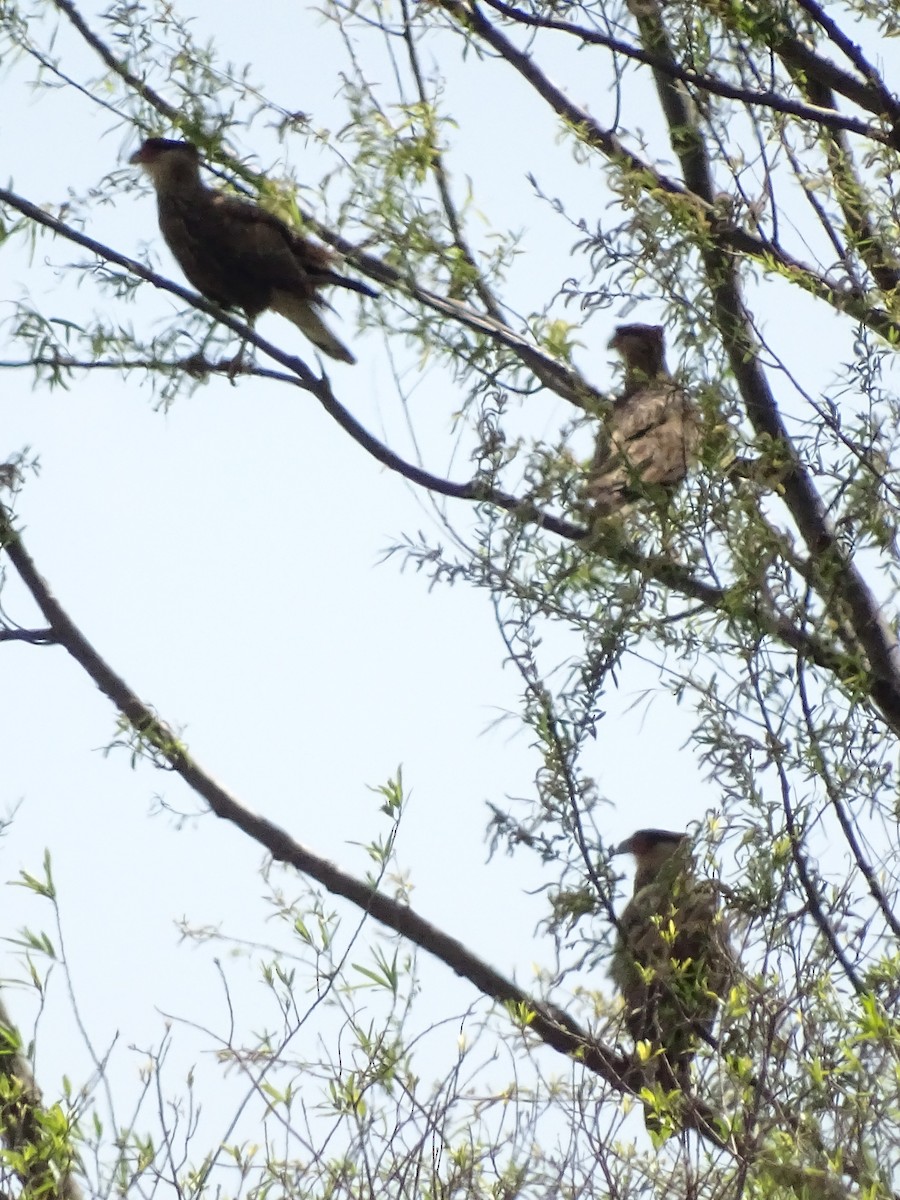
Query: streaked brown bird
(237, 254)
(649, 441)
(672, 961)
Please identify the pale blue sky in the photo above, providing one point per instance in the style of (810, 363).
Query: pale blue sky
(225, 558)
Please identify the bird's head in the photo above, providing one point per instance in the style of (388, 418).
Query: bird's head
(643, 350)
(168, 163)
(655, 851)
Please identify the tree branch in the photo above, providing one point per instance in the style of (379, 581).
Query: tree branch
(872, 96)
(551, 1025)
(873, 632)
(116, 65)
(825, 114)
(866, 240)
(605, 541)
(726, 238)
(886, 100)
(439, 172)
(33, 637)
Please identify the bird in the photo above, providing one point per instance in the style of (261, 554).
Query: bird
(237, 254)
(672, 961)
(650, 437)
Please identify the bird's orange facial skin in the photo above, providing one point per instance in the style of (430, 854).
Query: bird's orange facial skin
(142, 155)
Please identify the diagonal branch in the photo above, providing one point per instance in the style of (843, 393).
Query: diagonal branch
(725, 238)
(887, 101)
(833, 790)
(550, 1024)
(871, 95)
(851, 196)
(873, 632)
(608, 543)
(819, 113)
(116, 65)
(439, 171)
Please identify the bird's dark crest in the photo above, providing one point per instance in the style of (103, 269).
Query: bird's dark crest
(654, 334)
(643, 840)
(153, 147)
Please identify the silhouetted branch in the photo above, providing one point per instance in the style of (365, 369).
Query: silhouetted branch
(33, 637)
(551, 1025)
(726, 238)
(872, 631)
(607, 541)
(826, 115)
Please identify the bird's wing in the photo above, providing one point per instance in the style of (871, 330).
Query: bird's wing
(649, 438)
(260, 245)
(639, 411)
(195, 235)
(703, 937)
(318, 262)
(662, 925)
(672, 963)
(640, 944)
(293, 262)
(234, 252)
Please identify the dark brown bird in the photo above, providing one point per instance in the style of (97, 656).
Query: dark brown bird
(672, 960)
(649, 440)
(237, 254)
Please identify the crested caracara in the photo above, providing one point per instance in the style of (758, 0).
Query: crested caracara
(649, 439)
(672, 960)
(237, 254)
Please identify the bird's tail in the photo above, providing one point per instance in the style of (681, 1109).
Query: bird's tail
(335, 279)
(304, 316)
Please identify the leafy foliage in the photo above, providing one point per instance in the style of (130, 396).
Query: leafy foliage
(748, 155)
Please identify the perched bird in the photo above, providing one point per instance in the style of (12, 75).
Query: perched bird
(650, 438)
(672, 961)
(237, 254)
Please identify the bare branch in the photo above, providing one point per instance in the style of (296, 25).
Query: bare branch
(33, 637)
(880, 260)
(887, 101)
(116, 65)
(872, 630)
(552, 1025)
(820, 114)
(439, 171)
(726, 238)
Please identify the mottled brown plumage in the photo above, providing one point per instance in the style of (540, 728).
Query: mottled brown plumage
(672, 960)
(237, 254)
(649, 439)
